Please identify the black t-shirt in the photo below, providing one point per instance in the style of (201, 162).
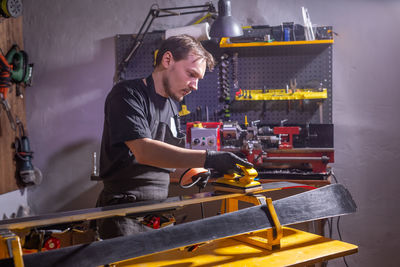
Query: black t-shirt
(132, 111)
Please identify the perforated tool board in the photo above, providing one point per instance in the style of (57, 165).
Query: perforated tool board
(267, 67)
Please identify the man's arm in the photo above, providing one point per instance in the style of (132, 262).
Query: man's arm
(159, 154)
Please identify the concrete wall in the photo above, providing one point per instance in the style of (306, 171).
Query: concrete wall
(71, 44)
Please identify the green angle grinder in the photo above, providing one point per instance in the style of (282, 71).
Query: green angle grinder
(21, 71)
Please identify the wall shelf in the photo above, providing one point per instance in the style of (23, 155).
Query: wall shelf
(280, 94)
(225, 43)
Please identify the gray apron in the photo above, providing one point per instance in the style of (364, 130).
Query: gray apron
(148, 183)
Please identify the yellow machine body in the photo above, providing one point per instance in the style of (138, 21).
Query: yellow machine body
(238, 183)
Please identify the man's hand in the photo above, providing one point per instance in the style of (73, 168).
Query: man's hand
(224, 162)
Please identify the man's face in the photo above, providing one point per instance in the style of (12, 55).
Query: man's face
(182, 76)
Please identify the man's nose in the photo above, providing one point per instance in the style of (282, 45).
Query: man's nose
(193, 85)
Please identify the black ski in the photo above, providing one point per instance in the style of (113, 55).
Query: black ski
(325, 202)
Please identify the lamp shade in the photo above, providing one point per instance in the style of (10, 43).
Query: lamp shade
(225, 25)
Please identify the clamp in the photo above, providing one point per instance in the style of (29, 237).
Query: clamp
(12, 243)
(269, 238)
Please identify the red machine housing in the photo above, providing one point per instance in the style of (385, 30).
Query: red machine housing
(286, 134)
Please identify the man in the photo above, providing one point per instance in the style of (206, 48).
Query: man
(140, 142)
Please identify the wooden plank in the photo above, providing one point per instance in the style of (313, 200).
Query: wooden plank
(11, 33)
(316, 183)
(129, 208)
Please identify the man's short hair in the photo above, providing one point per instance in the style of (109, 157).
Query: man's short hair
(181, 46)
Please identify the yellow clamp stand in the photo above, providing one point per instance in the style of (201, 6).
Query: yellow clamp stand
(269, 238)
(10, 246)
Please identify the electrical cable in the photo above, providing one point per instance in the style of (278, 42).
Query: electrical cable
(330, 222)
(338, 223)
(201, 181)
(340, 237)
(201, 206)
(191, 184)
(334, 177)
(201, 174)
(338, 228)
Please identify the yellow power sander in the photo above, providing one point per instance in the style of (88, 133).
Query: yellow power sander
(238, 183)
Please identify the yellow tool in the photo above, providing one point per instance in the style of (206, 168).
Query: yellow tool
(184, 111)
(238, 183)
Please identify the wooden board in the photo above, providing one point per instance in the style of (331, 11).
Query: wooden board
(10, 33)
(129, 208)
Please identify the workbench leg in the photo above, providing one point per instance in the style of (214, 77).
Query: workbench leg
(229, 205)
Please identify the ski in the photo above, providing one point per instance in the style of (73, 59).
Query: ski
(324, 202)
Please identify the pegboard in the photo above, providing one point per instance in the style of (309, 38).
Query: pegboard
(268, 67)
(11, 33)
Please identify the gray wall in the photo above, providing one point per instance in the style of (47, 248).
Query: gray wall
(71, 44)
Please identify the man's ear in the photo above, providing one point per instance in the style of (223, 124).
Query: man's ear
(167, 59)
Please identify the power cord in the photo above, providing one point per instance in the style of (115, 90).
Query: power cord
(337, 223)
(340, 237)
(201, 206)
(199, 176)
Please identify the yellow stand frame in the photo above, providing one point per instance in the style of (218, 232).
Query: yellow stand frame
(10, 247)
(269, 238)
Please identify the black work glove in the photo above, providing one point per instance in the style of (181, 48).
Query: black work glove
(224, 162)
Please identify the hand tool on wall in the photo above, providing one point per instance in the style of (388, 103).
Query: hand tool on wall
(5, 83)
(184, 110)
(199, 114)
(224, 77)
(235, 61)
(294, 89)
(224, 85)
(308, 29)
(156, 12)
(11, 8)
(21, 71)
(27, 173)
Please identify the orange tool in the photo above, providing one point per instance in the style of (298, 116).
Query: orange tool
(5, 83)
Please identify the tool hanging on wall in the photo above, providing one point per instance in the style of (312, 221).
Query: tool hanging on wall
(21, 70)
(156, 12)
(5, 84)
(26, 172)
(184, 110)
(11, 8)
(224, 85)
(235, 63)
